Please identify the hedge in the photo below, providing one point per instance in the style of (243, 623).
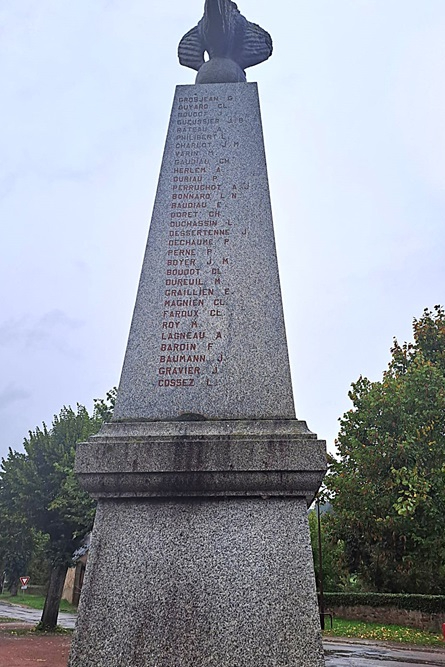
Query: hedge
(429, 604)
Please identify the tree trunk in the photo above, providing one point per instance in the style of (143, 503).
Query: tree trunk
(14, 587)
(53, 597)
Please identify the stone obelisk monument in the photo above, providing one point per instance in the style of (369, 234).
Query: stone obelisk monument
(200, 553)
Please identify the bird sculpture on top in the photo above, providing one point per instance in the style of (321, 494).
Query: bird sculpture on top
(231, 42)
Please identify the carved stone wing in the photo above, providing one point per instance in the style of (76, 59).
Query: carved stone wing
(190, 49)
(255, 47)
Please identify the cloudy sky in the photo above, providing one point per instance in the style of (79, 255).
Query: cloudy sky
(353, 108)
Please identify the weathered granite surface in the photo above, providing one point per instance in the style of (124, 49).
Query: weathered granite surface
(201, 554)
(205, 458)
(208, 333)
(199, 582)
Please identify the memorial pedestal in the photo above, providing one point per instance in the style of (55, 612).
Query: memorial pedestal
(201, 552)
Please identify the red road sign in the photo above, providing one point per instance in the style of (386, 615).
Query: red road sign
(24, 580)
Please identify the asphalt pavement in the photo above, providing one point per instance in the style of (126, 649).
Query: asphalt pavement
(27, 615)
(339, 652)
(346, 653)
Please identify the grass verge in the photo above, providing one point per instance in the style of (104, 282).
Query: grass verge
(34, 601)
(389, 633)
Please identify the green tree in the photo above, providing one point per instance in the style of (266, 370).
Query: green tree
(335, 573)
(388, 485)
(40, 496)
(16, 535)
(104, 407)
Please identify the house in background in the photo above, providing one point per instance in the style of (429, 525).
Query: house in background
(74, 577)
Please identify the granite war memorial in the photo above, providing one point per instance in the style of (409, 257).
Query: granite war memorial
(200, 551)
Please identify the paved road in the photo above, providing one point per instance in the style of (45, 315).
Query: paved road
(28, 615)
(369, 654)
(339, 653)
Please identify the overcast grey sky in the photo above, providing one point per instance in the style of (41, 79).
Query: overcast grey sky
(353, 109)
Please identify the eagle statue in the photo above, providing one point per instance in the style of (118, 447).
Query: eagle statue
(231, 42)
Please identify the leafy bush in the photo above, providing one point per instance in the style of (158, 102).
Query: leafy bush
(429, 604)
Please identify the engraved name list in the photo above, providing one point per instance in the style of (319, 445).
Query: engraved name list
(202, 224)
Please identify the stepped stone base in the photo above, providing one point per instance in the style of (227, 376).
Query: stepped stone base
(204, 458)
(200, 553)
